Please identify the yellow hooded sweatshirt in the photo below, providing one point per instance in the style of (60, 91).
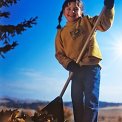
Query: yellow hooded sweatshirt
(71, 38)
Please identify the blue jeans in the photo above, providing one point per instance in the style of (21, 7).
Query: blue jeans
(85, 94)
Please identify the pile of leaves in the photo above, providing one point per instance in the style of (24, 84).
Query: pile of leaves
(19, 116)
(11, 116)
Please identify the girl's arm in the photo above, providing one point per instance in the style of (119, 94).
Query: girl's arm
(60, 52)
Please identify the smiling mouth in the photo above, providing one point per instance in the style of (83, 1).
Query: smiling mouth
(71, 16)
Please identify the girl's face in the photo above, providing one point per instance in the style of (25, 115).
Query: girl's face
(72, 12)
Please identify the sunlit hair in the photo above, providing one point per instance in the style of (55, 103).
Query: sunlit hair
(65, 4)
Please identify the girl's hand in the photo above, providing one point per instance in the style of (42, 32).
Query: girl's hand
(109, 3)
(73, 67)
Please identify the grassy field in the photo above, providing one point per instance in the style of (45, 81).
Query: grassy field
(110, 114)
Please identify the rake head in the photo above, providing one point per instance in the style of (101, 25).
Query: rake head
(53, 112)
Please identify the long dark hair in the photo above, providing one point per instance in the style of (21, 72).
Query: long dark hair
(65, 4)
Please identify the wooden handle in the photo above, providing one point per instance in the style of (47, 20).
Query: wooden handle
(82, 51)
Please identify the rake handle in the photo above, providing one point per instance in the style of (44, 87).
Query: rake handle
(82, 51)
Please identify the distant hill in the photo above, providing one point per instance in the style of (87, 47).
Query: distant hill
(16, 103)
(101, 104)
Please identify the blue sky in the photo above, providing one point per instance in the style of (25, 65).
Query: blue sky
(30, 71)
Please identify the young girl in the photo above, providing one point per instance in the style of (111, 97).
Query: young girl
(69, 42)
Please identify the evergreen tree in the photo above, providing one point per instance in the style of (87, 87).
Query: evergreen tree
(8, 31)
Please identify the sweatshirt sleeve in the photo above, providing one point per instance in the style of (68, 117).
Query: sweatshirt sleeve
(106, 20)
(60, 52)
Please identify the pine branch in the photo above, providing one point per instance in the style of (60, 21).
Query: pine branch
(11, 30)
(24, 25)
(7, 3)
(4, 14)
(7, 48)
(7, 31)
